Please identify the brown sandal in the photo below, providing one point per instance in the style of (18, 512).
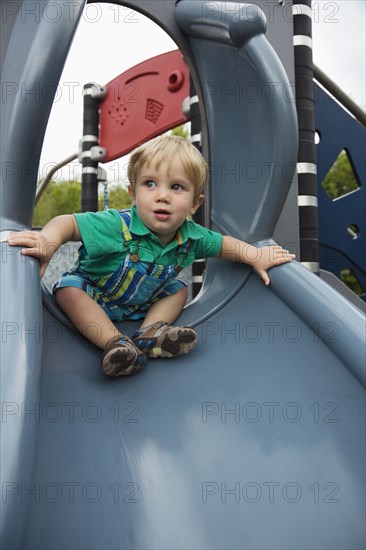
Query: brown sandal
(163, 340)
(122, 358)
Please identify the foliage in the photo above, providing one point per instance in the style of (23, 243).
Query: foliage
(340, 179)
(118, 198)
(181, 131)
(64, 197)
(348, 278)
(59, 198)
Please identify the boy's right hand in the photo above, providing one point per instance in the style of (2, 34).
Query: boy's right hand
(37, 245)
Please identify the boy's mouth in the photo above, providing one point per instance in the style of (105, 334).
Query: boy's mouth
(162, 214)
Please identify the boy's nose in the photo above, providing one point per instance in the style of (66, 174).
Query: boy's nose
(163, 195)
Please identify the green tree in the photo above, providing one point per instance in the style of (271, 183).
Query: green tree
(59, 198)
(118, 198)
(349, 278)
(181, 131)
(64, 197)
(340, 179)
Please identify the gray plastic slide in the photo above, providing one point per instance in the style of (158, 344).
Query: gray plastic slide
(255, 440)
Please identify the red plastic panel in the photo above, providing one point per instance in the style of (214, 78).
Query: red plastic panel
(143, 102)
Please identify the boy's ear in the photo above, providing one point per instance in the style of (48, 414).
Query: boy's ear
(131, 192)
(196, 204)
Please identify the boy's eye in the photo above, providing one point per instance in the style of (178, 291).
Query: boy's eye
(149, 183)
(177, 186)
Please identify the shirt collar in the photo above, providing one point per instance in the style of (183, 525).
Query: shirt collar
(136, 225)
(186, 231)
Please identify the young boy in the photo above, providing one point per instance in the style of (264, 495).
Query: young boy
(129, 260)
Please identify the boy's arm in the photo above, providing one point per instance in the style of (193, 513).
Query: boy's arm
(43, 244)
(261, 259)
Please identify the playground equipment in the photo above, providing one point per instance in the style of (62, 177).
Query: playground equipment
(340, 247)
(256, 439)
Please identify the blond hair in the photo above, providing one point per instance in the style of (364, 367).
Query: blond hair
(163, 149)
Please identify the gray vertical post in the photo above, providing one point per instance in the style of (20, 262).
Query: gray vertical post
(306, 167)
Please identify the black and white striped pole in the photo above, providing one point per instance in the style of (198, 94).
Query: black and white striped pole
(306, 165)
(198, 266)
(90, 153)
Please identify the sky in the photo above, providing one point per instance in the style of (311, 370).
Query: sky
(339, 46)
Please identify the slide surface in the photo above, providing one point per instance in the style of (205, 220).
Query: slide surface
(244, 443)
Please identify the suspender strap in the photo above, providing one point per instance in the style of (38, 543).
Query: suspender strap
(130, 242)
(126, 232)
(180, 254)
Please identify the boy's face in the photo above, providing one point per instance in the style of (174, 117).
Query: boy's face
(164, 197)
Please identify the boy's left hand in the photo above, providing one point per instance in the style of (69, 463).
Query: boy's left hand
(270, 256)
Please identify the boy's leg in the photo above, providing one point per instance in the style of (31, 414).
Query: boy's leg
(166, 309)
(121, 356)
(87, 316)
(156, 337)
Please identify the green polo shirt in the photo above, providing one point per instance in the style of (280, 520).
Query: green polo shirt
(103, 242)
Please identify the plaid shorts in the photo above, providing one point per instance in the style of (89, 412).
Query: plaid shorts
(144, 295)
